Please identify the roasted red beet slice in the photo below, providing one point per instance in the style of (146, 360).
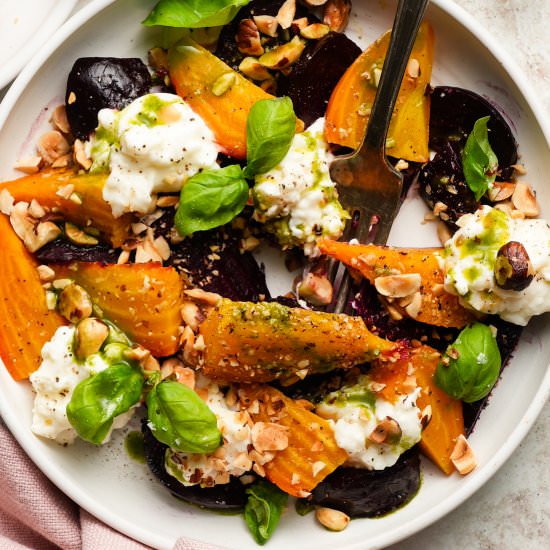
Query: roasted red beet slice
(316, 73)
(370, 493)
(229, 496)
(442, 181)
(453, 113)
(61, 251)
(95, 83)
(212, 260)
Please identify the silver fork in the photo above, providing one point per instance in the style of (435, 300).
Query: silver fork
(369, 187)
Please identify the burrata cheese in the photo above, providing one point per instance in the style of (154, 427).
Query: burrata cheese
(296, 199)
(54, 382)
(153, 145)
(355, 411)
(469, 263)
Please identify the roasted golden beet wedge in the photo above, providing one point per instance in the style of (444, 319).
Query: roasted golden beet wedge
(77, 198)
(247, 342)
(349, 106)
(446, 422)
(437, 307)
(143, 300)
(26, 323)
(218, 94)
(312, 452)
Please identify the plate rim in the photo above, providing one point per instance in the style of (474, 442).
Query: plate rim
(524, 424)
(59, 14)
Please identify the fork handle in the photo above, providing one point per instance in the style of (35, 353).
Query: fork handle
(405, 27)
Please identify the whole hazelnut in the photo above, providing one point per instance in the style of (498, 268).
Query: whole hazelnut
(513, 268)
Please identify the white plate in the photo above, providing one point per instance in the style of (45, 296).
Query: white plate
(121, 492)
(25, 25)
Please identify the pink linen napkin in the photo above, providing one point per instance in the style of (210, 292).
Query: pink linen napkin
(35, 515)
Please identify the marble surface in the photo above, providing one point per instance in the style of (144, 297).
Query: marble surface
(512, 511)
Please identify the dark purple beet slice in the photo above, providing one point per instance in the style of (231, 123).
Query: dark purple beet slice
(98, 82)
(453, 113)
(365, 493)
(442, 180)
(316, 73)
(229, 496)
(61, 251)
(212, 260)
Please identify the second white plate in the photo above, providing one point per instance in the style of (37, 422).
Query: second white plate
(25, 25)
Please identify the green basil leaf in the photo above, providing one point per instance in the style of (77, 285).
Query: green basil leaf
(471, 365)
(263, 509)
(479, 161)
(97, 400)
(211, 198)
(270, 127)
(194, 13)
(180, 418)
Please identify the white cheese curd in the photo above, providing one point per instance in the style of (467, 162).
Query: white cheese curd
(230, 459)
(296, 199)
(54, 383)
(355, 411)
(153, 145)
(469, 262)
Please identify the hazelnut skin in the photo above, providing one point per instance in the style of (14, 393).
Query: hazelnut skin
(513, 268)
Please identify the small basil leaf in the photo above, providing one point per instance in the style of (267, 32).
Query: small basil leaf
(211, 198)
(270, 127)
(479, 161)
(263, 509)
(97, 400)
(194, 13)
(180, 419)
(471, 365)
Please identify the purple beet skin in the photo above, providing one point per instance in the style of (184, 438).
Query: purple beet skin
(442, 180)
(370, 493)
(212, 260)
(453, 113)
(95, 83)
(316, 73)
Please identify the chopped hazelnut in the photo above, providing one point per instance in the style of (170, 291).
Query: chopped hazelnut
(90, 335)
(266, 24)
(315, 289)
(53, 145)
(268, 436)
(398, 286)
(413, 68)
(74, 303)
(253, 69)
(248, 38)
(333, 520)
(501, 190)
(28, 165)
(286, 13)
(463, 456)
(336, 14)
(525, 201)
(387, 431)
(59, 120)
